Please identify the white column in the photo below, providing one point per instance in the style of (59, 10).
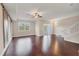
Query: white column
(53, 26)
(39, 27)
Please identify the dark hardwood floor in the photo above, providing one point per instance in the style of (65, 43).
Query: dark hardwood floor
(71, 49)
(35, 46)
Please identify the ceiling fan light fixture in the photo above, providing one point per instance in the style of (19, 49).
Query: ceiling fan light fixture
(36, 14)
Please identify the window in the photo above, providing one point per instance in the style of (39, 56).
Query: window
(23, 26)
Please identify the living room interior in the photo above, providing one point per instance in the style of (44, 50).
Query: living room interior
(39, 29)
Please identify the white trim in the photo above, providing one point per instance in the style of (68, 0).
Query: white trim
(64, 17)
(6, 47)
(22, 35)
(73, 41)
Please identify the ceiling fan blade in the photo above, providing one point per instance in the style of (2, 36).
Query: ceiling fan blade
(28, 15)
(33, 14)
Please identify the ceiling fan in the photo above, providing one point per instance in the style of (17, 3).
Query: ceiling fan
(35, 13)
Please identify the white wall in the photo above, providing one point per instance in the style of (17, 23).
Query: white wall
(70, 29)
(1, 29)
(17, 33)
(36, 28)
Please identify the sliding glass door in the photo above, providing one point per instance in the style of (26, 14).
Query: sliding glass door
(7, 28)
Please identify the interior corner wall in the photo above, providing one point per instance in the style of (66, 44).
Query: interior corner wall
(1, 29)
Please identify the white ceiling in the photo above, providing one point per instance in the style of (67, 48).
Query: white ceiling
(50, 10)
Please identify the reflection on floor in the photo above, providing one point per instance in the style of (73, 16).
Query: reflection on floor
(46, 43)
(23, 45)
(28, 46)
